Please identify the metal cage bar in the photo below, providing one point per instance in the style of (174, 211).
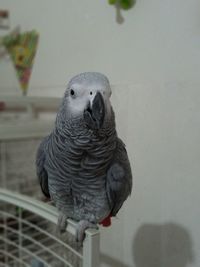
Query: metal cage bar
(34, 128)
(90, 256)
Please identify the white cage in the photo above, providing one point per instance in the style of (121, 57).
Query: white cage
(28, 234)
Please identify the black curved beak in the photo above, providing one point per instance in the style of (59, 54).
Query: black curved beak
(94, 115)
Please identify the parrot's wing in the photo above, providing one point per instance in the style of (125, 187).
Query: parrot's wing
(119, 179)
(41, 172)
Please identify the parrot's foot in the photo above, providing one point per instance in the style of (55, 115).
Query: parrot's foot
(62, 222)
(81, 227)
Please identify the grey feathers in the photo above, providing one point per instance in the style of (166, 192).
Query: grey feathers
(82, 164)
(119, 179)
(41, 171)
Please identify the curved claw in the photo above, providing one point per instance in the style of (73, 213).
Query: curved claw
(81, 227)
(62, 222)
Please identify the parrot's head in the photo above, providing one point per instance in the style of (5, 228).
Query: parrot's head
(88, 96)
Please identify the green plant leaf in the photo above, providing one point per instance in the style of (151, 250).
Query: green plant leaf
(112, 2)
(126, 4)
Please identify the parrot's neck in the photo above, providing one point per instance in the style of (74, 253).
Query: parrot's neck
(75, 127)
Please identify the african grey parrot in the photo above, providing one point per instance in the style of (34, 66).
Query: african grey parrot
(83, 165)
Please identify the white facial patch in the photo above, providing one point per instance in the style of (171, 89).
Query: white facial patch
(82, 90)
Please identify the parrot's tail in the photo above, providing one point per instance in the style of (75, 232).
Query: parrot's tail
(106, 222)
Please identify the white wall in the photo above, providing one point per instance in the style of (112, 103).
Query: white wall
(159, 40)
(153, 61)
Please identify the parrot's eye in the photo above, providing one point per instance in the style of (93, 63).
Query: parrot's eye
(91, 93)
(72, 92)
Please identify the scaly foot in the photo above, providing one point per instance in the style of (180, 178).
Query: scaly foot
(81, 227)
(62, 222)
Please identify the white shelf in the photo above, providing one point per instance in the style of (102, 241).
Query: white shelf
(38, 102)
(25, 129)
(27, 126)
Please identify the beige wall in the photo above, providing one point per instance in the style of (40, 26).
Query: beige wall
(153, 62)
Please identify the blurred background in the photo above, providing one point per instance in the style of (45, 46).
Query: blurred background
(152, 59)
